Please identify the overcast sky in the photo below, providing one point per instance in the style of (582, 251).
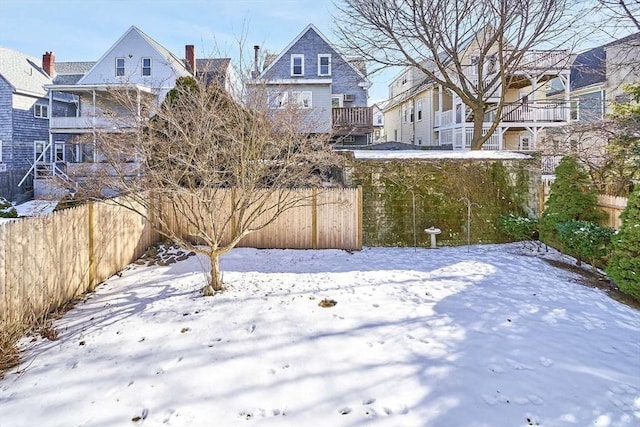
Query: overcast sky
(83, 30)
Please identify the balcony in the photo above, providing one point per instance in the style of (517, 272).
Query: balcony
(352, 121)
(541, 111)
(87, 124)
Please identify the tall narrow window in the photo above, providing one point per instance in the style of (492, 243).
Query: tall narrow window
(119, 67)
(146, 66)
(324, 65)
(419, 107)
(297, 65)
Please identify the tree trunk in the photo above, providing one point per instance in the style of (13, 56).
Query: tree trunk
(215, 281)
(478, 119)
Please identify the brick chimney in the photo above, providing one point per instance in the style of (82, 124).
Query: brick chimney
(49, 63)
(190, 58)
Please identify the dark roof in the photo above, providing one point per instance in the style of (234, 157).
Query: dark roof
(213, 69)
(588, 68)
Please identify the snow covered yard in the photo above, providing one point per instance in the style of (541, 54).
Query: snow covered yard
(493, 337)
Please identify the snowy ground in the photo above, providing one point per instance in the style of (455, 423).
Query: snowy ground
(494, 337)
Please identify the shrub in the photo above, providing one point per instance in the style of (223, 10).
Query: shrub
(624, 265)
(585, 240)
(6, 209)
(572, 198)
(518, 227)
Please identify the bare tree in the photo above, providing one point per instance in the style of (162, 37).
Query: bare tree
(436, 37)
(207, 170)
(621, 12)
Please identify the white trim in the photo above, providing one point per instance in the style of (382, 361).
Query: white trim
(142, 67)
(292, 60)
(302, 98)
(290, 45)
(277, 99)
(115, 71)
(322, 56)
(59, 145)
(291, 81)
(40, 110)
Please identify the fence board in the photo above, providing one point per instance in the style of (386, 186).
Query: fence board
(48, 261)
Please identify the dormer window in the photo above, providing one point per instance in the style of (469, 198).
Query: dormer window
(297, 65)
(41, 111)
(146, 67)
(119, 67)
(324, 65)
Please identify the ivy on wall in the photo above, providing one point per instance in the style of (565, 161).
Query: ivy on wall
(441, 191)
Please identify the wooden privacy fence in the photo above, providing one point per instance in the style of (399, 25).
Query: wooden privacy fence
(611, 205)
(47, 261)
(313, 219)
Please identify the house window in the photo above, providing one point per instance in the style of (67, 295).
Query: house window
(349, 139)
(297, 65)
(404, 78)
(337, 101)
(491, 66)
(146, 67)
(278, 99)
(119, 67)
(302, 99)
(324, 65)
(379, 119)
(419, 141)
(575, 111)
(41, 111)
(60, 156)
(475, 60)
(419, 107)
(404, 113)
(411, 114)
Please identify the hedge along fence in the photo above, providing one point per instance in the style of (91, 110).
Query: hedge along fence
(320, 219)
(611, 205)
(47, 261)
(440, 189)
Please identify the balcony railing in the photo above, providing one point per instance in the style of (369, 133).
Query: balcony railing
(88, 123)
(545, 59)
(444, 118)
(541, 111)
(355, 120)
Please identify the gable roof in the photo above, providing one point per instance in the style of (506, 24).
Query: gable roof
(313, 28)
(213, 69)
(172, 60)
(23, 72)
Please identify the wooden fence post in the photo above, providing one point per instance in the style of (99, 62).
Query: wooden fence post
(314, 218)
(359, 213)
(92, 261)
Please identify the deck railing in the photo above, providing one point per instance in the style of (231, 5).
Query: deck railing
(353, 116)
(541, 111)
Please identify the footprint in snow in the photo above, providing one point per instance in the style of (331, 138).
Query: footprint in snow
(344, 411)
(546, 362)
(251, 328)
